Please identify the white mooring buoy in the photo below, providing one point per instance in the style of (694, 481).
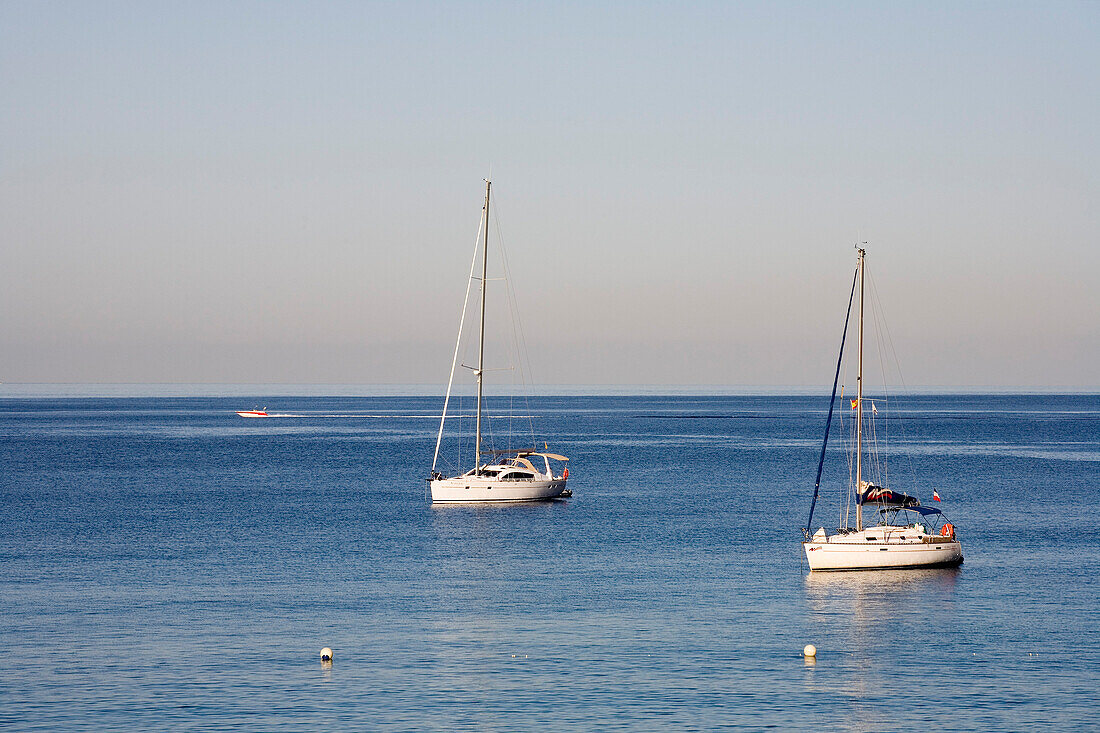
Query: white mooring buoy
(326, 655)
(809, 651)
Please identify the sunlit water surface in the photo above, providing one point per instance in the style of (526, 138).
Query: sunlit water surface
(167, 565)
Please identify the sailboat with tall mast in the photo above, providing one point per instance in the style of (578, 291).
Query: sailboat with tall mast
(505, 475)
(907, 534)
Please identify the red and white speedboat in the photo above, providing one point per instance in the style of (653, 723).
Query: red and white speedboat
(252, 413)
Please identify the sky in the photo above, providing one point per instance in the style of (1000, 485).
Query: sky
(254, 192)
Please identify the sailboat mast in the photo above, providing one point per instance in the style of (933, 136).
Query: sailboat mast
(481, 335)
(859, 405)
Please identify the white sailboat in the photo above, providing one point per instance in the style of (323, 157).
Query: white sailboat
(508, 475)
(906, 535)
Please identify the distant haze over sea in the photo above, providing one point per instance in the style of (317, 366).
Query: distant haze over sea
(32, 390)
(290, 192)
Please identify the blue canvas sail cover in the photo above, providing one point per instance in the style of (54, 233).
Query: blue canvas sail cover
(881, 495)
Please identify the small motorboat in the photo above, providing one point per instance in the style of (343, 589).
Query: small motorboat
(253, 413)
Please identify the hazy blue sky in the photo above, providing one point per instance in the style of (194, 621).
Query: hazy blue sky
(251, 192)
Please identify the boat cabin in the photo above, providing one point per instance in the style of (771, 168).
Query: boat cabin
(897, 523)
(516, 466)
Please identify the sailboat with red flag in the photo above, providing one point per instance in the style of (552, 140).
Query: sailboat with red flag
(905, 534)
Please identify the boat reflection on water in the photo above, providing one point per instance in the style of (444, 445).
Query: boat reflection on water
(866, 603)
(484, 522)
(880, 583)
(853, 618)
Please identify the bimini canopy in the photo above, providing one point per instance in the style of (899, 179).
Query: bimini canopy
(881, 495)
(521, 462)
(551, 456)
(526, 452)
(924, 511)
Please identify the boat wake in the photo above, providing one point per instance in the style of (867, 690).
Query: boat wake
(377, 417)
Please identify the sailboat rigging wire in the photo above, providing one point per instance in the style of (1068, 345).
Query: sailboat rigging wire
(848, 436)
(897, 365)
(519, 335)
(458, 343)
(880, 466)
(513, 351)
(873, 457)
(832, 401)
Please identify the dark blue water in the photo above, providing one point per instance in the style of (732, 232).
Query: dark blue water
(167, 565)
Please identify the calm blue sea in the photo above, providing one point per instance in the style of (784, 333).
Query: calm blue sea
(166, 565)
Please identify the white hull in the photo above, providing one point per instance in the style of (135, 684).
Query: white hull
(872, 550)
(475, 489)
(252, 413)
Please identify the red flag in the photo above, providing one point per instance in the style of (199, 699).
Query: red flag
(854, 403)
(936, 495)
